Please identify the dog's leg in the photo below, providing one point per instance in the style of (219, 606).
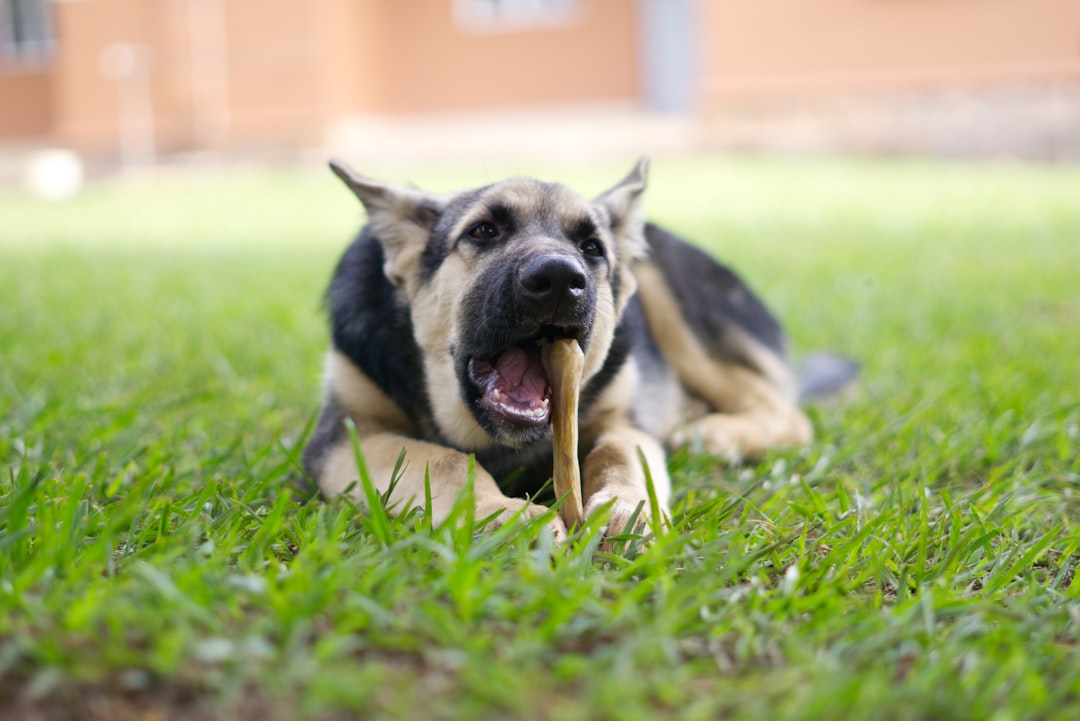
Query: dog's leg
(748, 387)
(613, 473)
(446, 468)
(755, 415)
(746, 434)
(384, 430)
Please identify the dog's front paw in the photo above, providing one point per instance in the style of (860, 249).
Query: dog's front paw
(629, 513)
(501, 510)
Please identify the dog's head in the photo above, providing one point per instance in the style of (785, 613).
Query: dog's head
(492, 272)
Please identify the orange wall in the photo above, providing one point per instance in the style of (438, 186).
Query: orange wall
(266, 89)
(85, 102)
(437, 66)
(293, 67)
(275, 90)
(25, 106)
(290, 68)
(353, 72)
(792, 44)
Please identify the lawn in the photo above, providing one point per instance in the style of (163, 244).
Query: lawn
(160, 351)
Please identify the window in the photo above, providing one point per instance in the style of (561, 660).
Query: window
(487, 16)
(25, 29)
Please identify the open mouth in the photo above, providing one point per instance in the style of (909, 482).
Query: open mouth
(513, 384)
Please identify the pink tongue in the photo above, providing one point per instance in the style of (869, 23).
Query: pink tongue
(522, 376)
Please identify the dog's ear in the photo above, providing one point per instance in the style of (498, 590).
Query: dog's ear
(622, 207)
(401, 218)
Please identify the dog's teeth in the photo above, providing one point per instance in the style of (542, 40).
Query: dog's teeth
(533, 410)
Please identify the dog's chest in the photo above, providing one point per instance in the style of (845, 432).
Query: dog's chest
(519, 472)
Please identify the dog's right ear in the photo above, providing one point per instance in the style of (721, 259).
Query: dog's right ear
(622, 208)
(401, 219)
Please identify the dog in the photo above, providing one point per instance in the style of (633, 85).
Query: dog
(437, 312)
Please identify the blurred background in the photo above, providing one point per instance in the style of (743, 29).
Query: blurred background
(104, 85)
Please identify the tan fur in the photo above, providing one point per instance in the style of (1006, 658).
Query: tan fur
(370, 409)
(755, 409)
(446, 468)
(384, 431)
(612, 472)
(434, 304)
(613, 477)
(431, 309)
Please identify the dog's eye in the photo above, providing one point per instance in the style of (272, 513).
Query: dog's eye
(483, 231)
(592, 248)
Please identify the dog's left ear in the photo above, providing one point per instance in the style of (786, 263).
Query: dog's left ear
(401, 218)
(622, 207)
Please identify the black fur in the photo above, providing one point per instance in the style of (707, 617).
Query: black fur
(329, 431)
(523, 472)
(580, 230)
(439, 242)
(371, 323)
(368, 317)
(502, 217)
(435, 252)
(712, 298)
(505, 313)
(371, 326)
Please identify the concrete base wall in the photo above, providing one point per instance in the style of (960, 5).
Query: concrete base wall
(1025, 121)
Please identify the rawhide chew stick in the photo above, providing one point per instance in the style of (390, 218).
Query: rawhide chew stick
(564, 363)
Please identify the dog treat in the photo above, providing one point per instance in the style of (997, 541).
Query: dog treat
(564, 363)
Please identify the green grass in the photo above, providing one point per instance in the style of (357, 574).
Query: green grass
(160, 350)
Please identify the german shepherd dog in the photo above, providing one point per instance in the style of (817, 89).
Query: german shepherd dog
(437, 310)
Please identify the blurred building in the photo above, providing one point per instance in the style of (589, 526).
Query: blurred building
(137, 79)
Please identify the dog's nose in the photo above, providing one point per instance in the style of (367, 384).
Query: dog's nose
(552, 282)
